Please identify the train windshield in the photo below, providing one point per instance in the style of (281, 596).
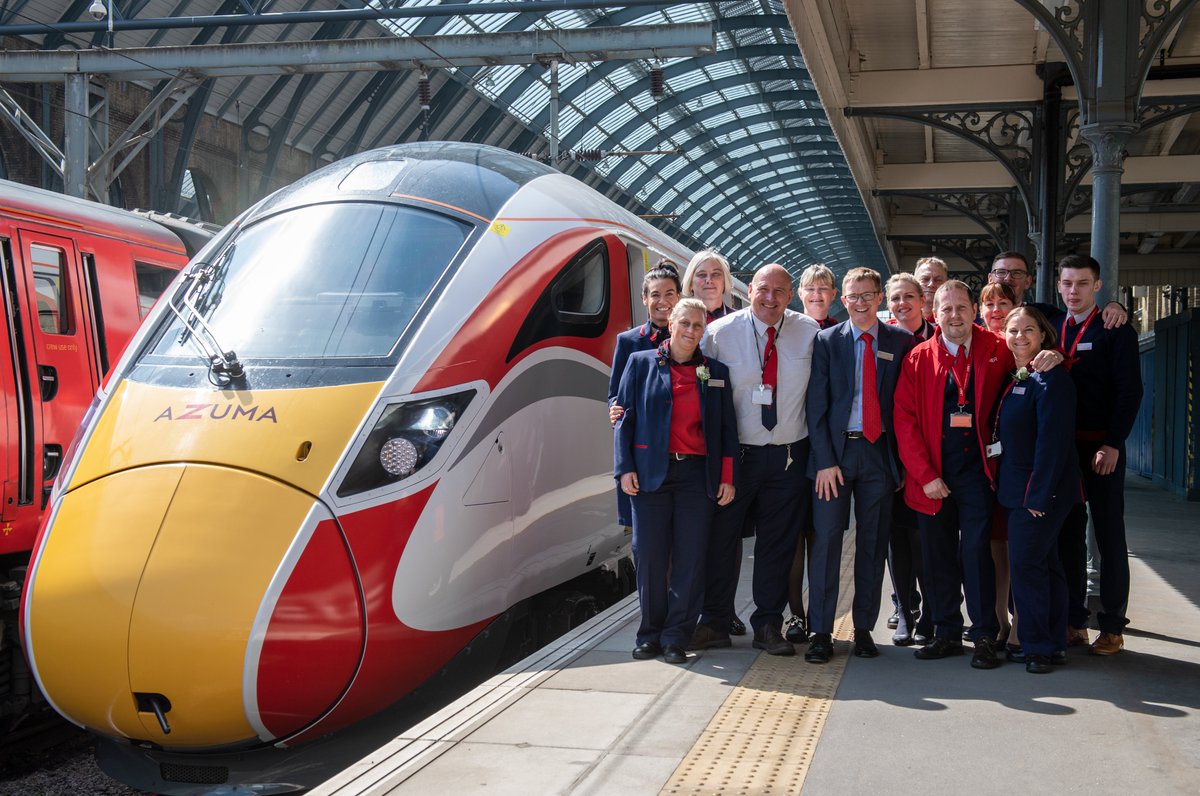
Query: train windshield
(333, 281)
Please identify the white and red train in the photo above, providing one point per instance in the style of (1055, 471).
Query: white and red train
(363, 427)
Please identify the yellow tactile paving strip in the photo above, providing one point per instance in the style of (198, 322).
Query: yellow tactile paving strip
(762, 739)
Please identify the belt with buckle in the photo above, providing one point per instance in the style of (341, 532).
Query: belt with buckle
(854, 435)
(683, 457)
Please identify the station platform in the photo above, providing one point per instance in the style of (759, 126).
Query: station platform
(582, 717)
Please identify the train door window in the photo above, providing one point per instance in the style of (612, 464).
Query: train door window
(574, 304)
(639, 264)
(49, 265)
(152, 282)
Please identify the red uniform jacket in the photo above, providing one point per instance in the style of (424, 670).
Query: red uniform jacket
(918, 414)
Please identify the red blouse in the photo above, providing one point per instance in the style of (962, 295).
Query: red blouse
(687, 428)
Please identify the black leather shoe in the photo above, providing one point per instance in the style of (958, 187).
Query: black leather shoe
(939, 648)
(920, 639)
(904, 639)
(1038, 664)
(985, 655)
(772, 642)
(647, 650)
(820, 650)
(674, 654)
(737, 627)
(1058, 658)
(894, 620)
(1014, 654)
(705, 638)
(864, 645)
(795, 629)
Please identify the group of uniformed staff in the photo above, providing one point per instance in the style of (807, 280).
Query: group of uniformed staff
(970, 438)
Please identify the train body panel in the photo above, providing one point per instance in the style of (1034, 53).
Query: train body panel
(383, 397)
(78, 278)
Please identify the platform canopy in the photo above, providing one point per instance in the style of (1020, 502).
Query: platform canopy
(732, 149)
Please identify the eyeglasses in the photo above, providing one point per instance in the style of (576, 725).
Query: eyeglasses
(1004, 273)
(854, 298)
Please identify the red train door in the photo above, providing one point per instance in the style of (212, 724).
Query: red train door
(60, 371)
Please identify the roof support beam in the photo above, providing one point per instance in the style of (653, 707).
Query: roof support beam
(354, 55)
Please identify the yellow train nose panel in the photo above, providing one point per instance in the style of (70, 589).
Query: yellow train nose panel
(148, 584)
(296, 435)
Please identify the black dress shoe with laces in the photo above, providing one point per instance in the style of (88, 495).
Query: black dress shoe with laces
(771, 641)
(674, 654)
(1037, 664)
(820, 650)
(647, 650)
(985, 655)
(939, 648)
(864, 645)
(737, 627)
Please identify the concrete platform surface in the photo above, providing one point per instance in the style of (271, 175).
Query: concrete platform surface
(583, 717)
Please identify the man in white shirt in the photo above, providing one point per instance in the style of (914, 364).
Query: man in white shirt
(768, 349)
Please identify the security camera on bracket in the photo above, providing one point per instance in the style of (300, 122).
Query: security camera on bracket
(98, 10)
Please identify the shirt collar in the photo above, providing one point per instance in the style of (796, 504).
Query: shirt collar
(953, 347)
(874, 330)
(761, 327)
(1083, 316)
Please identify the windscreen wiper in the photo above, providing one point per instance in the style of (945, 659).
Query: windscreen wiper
(223, 366)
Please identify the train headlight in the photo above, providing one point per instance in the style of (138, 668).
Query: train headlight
(406, 438)
(399, 457)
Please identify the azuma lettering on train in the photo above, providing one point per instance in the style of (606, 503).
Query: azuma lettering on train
(251, 414)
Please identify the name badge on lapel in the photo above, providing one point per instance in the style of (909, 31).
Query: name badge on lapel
(1018, 390)
(716, 382)
(1084, 347)
(885, 355)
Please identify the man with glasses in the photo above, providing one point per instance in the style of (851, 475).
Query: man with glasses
(855, 368)
(1012, 269)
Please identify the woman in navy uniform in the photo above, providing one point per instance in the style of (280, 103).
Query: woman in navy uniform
(1038, 483)
(660, 293)
(674, 454)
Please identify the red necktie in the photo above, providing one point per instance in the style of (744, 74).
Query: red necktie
(871, 424)
(770, 376)
(1071, 322)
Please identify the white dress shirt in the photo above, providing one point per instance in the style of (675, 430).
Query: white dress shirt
(739, 340)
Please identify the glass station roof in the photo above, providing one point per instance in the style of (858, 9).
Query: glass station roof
(735, 152)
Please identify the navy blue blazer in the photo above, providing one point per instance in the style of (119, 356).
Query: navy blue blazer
(831, 391)
(639, 338)
(1036, 429)
(643, 433)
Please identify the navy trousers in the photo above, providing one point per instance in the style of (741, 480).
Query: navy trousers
(1039, 585)
(1106, 498)
(772, 494)
(964, 521)
(904, 562)
(670, 534)
(869, 480)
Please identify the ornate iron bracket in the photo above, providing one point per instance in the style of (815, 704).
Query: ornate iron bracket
(978, 250)
(987, 208)
(1008, 132)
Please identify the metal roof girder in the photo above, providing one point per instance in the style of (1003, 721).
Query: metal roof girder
(42, 144)
(219, 60)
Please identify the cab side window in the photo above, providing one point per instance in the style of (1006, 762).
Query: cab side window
(574, 304)
(152, 281)
(48, 278)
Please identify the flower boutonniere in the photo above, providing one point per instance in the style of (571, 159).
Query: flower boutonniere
(1021, 374)
(702, 375)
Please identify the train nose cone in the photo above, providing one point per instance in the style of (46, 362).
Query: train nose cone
(153, 594)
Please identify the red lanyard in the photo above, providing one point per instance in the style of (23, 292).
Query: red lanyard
(1070, 355)
(962, 381)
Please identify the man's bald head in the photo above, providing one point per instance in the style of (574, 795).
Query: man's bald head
(770, 292)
